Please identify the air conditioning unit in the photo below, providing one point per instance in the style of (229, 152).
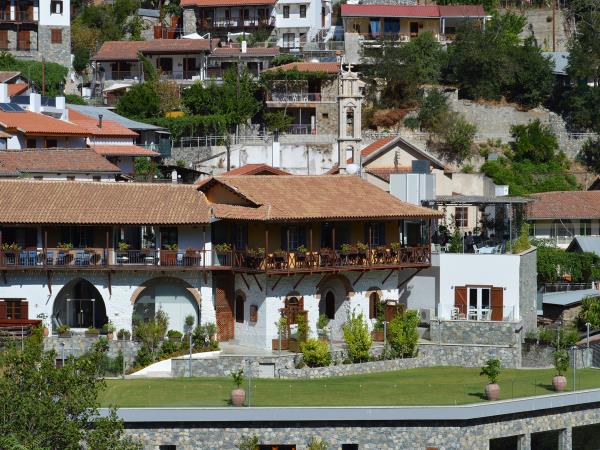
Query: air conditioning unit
(426, 314)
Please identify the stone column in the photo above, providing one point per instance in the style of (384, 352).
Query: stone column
(565, 439)
(524, 442)
(189, 21)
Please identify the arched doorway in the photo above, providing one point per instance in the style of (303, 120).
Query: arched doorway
(172, 296)
(328, 306)
(79, 305)
(334, 292)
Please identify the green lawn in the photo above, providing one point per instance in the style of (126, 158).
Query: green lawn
(428, 386)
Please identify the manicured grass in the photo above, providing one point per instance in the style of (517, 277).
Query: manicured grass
(428, 386)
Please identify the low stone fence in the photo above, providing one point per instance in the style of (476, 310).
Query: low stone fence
(429, 355)
(534, 355)
(473, 332)
(77, 345)
(285, 366)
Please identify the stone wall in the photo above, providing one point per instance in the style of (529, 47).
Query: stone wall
(77, 345)
(383, 435)
(189, 21)
(473, 332)
(528, 291)
(224, 365)
(58, 53)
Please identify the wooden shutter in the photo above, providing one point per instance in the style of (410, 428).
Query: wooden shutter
(3, 311)
(373, 305)
(460, 299)
(497, 303)
(24, 309)
(4, 39)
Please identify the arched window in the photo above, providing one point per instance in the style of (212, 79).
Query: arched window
(374, 301)
(349, 122)
(330, 305)
(239, 308)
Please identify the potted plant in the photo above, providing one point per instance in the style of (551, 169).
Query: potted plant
(322, 327)
(281, 325)
(64, 331)
(44, 317)
(346, 248)
(302, 332)
(64, 245)
(109, 328)
(123, 246)
(92, 332)
(492, 371)
(561, 364)
(123, 335)
(238, 395)
(222, 252)
(168, 256)
(174, 335)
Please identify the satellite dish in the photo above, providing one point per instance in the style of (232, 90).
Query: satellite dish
(352, 169)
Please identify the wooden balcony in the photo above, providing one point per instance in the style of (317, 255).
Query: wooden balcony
(327, 260)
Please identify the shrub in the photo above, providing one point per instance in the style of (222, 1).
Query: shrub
(456, 243)
(153, 331)
(248, 442)
(168, 348)
(590, 311)
(123, 334)
(63, 329)
(357, 337)
(568, 337)
(522, 244)
(189, 323)
(144, 357)
(491, 370)
(322, 323)
(546, 335)
(317, 443)
(404, 336)
(202, 337)
(174, 334)
(277, 120)
(561, 362)
(108, 327)
(237, 377)
(302, 328)
(315, 353)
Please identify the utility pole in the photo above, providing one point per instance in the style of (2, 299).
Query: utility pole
(43, 77)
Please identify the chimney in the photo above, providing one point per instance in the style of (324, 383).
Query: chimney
(35, 102)
(99, 120)
(244, 46)
(4, 98)
(276, 150)
(61, 104)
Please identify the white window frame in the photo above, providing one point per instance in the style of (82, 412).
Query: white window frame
(479, 311)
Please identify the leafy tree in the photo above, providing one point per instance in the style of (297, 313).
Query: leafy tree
(403, 333)
(54, 74)
(45, 407)
(284, 58)
(168, 95)
(357, 337)
(315, 353)
(584, 46)
(277, 120)
(151, 332)
(590, 155)
(535, 142)
(457, 138)
(590, 311)
(140, 102)
(75, 99)
(434, 111)
(491, 370)
(578, 106)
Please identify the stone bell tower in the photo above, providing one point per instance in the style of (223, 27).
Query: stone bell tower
(349, 101)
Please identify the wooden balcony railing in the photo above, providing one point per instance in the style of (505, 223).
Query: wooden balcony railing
(328, 259)
(236, 22)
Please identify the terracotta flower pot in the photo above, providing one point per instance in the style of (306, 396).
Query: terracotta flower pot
(238, 396)
(275, 344)
(377, 336)
(109, 335)
(559, 383)
(492, 391)
(45, 331)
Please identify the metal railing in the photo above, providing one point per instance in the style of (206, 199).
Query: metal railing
(179, 74)
(298, 97)
(19, 16)
(236, 22)
(485, 313)
(112, 75)
(564, 287)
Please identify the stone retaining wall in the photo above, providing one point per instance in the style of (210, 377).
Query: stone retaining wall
(77, 345)
(473, 332)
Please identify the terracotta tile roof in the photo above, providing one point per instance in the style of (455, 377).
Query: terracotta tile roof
(255, 169)
(109, 127)
(250, 51)
(17, 162)
(31, 123)
(128, 50)
(293, 197)
(328, 67)
(565, 205)
(17, 88)
(6, 75)
(72, 202)
(385, 172)
(211, 3)
(374, 146)
(124, 150)
(390, 11)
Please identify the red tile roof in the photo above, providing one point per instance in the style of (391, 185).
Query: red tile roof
(36, 124)
(17, 162)
(250, 51)
(374, 146)
(124, 150)
(255, 169)
(565, 205)
(211, 3)
(294, 197)
(385, 172)
(424, 11)
(7, 75)
(328, 67)
(17, 88)
(109, 127)
(110, 203)
(128, 50)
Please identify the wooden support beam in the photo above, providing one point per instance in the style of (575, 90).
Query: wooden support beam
(388, 276)
(277, 282)
(360, 276)
(256, 279)
(299, 281)
(321, 280)
(245, 281)
(48, 275)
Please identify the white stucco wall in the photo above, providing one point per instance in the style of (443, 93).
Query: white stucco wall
(48, 17)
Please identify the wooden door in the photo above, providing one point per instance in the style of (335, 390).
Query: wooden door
(460, 300)
(224, 306)
(23, 40)
(3, 39)
(414, 29)
(497, 303)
